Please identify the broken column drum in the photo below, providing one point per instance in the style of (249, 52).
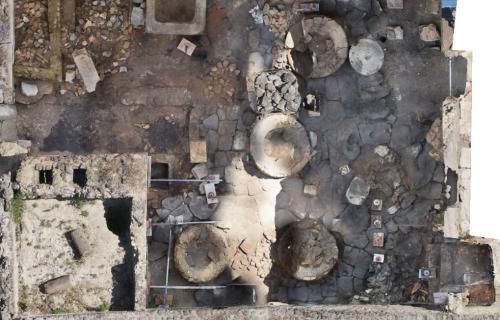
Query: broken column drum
(277, 91)
(200, 253)
(320, 47)
(279, 145)
(57, 284)
(307, 251)
(367, 57)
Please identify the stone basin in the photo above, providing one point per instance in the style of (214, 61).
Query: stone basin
(180, 17)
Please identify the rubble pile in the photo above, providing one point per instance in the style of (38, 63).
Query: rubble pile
(277, 91)
(278, 20)
(259, 260)
(102, 28)
(222, 80)
(32, 33)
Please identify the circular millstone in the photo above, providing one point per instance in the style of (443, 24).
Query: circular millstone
(200, 208)
(326, 44)
(200, 253)
(280, 145)
(307, 251)
(367, 57)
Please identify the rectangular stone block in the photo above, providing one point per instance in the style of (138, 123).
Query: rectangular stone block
(186, 46)
(395, 4)
(198, 151)
(378, 239)
(87, 69)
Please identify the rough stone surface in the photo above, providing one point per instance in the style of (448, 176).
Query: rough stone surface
(358, 191)
(366, 57)
(429, 33)
(395, 4)
(395, 33)
(29, 89)
(86, 69)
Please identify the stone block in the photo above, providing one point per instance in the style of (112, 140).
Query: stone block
(29, 89)
(358, 191)
(87, 69)
(311, 190)
(429, 33)
(57, 285)
(240, 141)
(212, 122)
(157, 250)
(227, 127)
(186, 46)
(225, 143)
(395, 4)
(137, 17)
(395, 33)
(9, 149)
(81, 242)
(198, 151)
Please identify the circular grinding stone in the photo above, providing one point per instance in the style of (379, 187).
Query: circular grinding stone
(329, 45)
(200, 208)
(324, 41)
(200, 253)
(307, 250)
(367, 57)
(280, 145)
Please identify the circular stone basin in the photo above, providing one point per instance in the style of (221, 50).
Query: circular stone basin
(307, 251)
(200, 253)
(325, 40)
(367, 57)
(279, 145)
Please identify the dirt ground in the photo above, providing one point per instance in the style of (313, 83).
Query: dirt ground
(46, 252)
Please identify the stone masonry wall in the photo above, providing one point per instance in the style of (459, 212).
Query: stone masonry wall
(6, 51)
(357, 312)
(8, 275)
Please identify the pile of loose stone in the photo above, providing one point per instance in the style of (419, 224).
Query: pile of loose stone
(278, 20)
(257, 260)
(32, 33)
(102, 28)
(222, 80)
(277, 91)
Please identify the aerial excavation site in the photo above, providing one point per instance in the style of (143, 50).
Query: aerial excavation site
(237, 159)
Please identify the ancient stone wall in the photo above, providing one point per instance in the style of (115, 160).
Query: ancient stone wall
(456, 131)
(6, 51)
(357, 312)
(8, 274)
